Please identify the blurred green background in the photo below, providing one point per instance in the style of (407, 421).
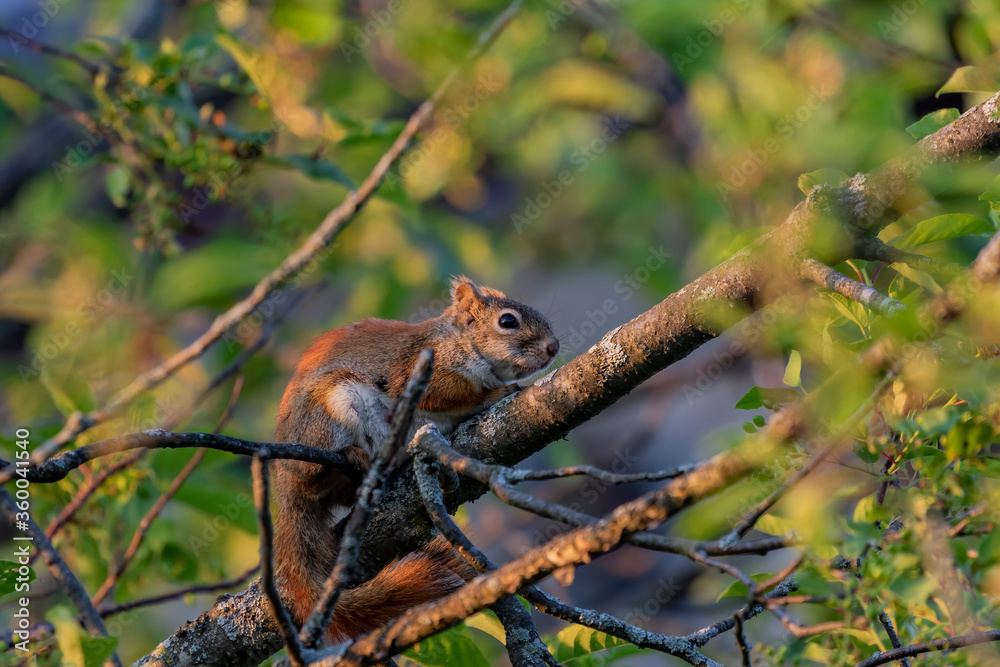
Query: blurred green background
(595, 159)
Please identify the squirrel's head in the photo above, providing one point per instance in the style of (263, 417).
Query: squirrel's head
(515, 338)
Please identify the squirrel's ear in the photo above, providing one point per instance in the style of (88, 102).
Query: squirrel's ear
(465, 294)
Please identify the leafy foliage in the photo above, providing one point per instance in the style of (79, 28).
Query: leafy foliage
(215, 147)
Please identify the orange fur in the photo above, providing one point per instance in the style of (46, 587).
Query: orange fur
(339, 399)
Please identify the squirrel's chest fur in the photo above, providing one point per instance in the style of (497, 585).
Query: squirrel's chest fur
(341, 394)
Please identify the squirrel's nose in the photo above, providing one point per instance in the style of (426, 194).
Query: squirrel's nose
(552, 348)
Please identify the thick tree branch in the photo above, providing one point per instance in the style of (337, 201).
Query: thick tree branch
(569, 549)
(523, 424)
(331, 225)
(433, 499)
(628, 355)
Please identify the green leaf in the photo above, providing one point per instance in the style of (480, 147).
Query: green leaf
(739, 590)
(972, 79)
(921, 278)
(862, 452)
(793, 371)
(96, 650)
(775, 525)
(313, 168)
(935, 422)
(763, 397)
(865, 510)
(64, 403)
(942, 228)
(451, 647)
(214, 271)
(78, 648)
(9, 572)
(486, 621)
(118, 181)
(992, 193)
(932, 122)
(821, 177)
(575, 641)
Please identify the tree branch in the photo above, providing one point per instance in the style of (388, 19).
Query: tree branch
(58, 568)
(59, 466)
(262, 500)
(824, 276)
(524, 423)
(350, 545)
(569, 549)
(331, 225)
(927, 647)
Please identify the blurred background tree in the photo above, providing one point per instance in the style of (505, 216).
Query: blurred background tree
(597, 158)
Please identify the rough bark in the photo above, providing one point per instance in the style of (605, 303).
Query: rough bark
(833, 224)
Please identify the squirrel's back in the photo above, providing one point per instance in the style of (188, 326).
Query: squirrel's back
(340, 398)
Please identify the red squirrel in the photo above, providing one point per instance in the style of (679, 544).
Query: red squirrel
(339, 399)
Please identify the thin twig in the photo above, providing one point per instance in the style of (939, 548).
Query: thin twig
(176, 418)
(78, 115)
(85, 492)
(516, 476)
(741, 640)
(58, 568)
(143, 528)
(433, 499)
(38, 47)
(262, 500)
(824, 276)
(59, 466)
(731, 570)
(801, 631)
(497, 477)
(291, 266)
(238, 580)
(705, 635)
(886, 622)
(161, 502)
(350, 545)
(926, 647)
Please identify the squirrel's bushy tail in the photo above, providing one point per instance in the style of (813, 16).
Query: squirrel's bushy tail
(419, 577)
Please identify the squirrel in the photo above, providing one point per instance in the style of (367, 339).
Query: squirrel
(340, 397)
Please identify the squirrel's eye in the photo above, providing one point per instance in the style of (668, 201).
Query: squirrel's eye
(507, 321)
